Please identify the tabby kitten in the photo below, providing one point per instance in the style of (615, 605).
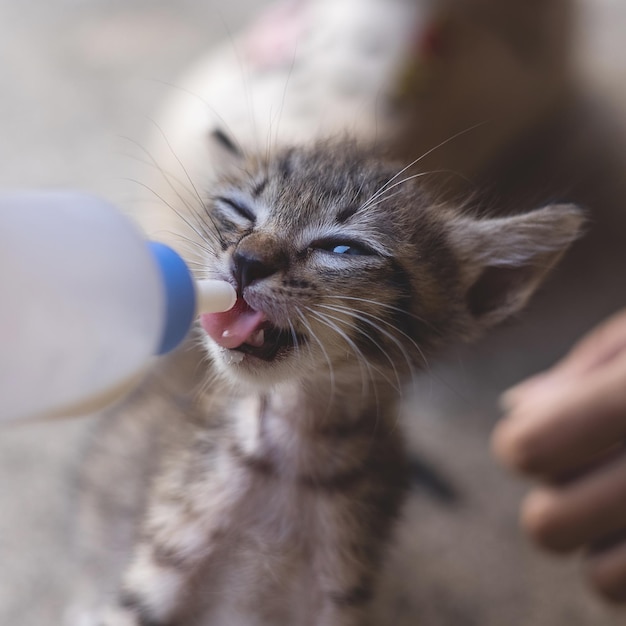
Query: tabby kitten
(279, 482)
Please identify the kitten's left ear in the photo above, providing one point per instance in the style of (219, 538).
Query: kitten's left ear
(504, 260)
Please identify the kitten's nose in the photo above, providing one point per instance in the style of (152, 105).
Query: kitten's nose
(256, 258)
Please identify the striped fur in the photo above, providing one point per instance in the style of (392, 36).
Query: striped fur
(279, 481)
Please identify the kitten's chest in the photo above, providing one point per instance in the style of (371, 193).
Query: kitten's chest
(286, 471)
(262, 571)
(276, 438)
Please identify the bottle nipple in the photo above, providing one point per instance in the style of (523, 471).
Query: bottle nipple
(214, 296)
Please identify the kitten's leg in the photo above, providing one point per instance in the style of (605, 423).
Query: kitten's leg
(346, 562)
(153, 588)
(177, 539)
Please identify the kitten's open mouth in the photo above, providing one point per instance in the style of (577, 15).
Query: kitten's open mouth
(248, 331)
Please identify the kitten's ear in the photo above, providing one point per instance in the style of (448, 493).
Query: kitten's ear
(503, 260)
(225, 152)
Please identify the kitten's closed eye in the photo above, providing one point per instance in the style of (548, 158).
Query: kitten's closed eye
(236, 207)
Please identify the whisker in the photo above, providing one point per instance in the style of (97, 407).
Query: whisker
(384, 305)
(323, 318)
(167, 176)
(331, 371)
(294, 335)
(389, 335)
(420, 158)
(398, 388)
(151, 162)
(360, 357)
(201, 202)
(205, 234)
(383, 197)
(166, 203)
(192, 242)
(376, 327)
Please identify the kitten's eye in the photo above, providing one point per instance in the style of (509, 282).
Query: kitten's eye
(240, 209)
(351, 248)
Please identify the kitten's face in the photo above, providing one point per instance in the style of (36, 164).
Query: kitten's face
(327, 271)
(338, 269)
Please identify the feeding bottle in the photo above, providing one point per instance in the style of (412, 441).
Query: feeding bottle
(85, 303)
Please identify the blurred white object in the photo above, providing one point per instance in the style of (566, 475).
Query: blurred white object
(86, 303)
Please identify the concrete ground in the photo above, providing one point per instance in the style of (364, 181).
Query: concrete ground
(78, 79)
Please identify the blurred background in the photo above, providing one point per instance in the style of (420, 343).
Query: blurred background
(79, 80)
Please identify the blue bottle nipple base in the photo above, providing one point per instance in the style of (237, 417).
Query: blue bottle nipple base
(180, 295)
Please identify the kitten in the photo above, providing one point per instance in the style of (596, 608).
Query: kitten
(281, 467)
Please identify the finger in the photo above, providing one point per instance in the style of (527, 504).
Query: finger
(606, 570)
(597, 348)
(580, 513)
(600, 346)
(513, 396)
(562, 428)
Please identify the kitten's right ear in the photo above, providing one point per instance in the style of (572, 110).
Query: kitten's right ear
(504, 260)
(225, 152)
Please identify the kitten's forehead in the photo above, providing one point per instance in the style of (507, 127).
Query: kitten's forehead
(331, 186)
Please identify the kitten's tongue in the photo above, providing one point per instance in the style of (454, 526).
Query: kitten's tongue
(233, 328)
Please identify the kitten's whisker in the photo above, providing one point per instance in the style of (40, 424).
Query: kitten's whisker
(168, 177)
(208, 274)
(391, 336)
(397, 387)
(382, 189)
(193, 227)
(423, 156)
(360, 357)
(331, 371)
(362, 318)
(454, 137)
(151, 162)
(192, 242)
(429, 369)
(201, 202)
(198, 225)
(392, 326)
(294, 335)
(383, 197)
(382, 194)
(384, 305)
(192, 248)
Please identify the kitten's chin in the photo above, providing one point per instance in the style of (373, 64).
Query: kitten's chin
(253, 367)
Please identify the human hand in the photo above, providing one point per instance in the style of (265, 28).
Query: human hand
(566, 429)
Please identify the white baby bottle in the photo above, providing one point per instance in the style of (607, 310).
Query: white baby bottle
(85, 303)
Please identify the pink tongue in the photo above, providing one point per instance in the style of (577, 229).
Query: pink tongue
(232, 328)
